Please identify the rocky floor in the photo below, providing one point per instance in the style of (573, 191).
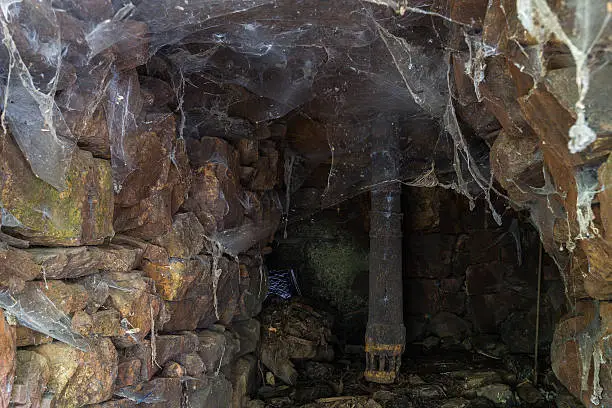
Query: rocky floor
(478, 373)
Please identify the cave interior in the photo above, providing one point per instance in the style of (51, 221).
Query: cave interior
(257, 203)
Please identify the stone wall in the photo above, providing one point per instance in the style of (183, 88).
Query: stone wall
(119, 288)
(466, 277)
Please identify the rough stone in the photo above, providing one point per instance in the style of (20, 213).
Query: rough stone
(69, 263)
(244, 380)
(7, 359)
(130, 294)
(91, 132)
(248, 150)
(106, 323)
(577, 341)
(186, 314)
(129, 372)
(215, 194)
(265, 175)
(29, 337)
(79, 378)
(248, 332)
(500, 394)
(172, 369)
(185, 239)
(30, 379)
(170, 346)
(216, 349)
(194, 366)
(148, 197)
(81, 214)
(157, 393)
(174, 277)
(67, 297)
(16, 267)
(142, 352)
(209, 392)
(132, 49)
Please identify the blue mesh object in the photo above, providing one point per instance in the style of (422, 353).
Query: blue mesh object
(283, 283)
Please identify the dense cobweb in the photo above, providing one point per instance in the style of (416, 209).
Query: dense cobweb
(237, 67)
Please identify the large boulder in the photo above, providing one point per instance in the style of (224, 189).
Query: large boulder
(81, 214)
(79, 378)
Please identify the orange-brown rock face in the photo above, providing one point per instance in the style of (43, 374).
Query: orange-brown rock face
(7, 358)
(154, 190)
(79, 378)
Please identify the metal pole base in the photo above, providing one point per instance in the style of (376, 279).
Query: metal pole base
(384, 348)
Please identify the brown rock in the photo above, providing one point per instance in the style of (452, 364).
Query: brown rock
(168, 347)
(173, 279)
(143, 353)
(266, 169)
(172, 369)
(16, 267)
(78, 215)
(91, 132)
(67, 297)
(106, 323)
(470, 12)
(131, 296)
(79, 378)
(153, 190)
(605, 197)
(68, 263)
(29, 337)
(216, 349)
(215, 194)
(161, 91)
(82, 323)
(129, 372)
(185, 239)
(198, 307)
(577, 342)
(30, 379)
(192, 362)
(7, 357)
(186, 314)
(517, 164)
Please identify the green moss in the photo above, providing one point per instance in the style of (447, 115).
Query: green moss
(49, 216)
(335, 260)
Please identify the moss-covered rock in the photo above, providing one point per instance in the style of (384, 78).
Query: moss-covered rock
(79, 378)
(81, 214)
(334, 263)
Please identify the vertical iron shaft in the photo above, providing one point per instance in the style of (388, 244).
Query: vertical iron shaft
(385, 333)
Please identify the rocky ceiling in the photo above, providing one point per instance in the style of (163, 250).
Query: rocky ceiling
(487, 98)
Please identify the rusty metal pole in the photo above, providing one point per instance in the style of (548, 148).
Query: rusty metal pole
(385, 333)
